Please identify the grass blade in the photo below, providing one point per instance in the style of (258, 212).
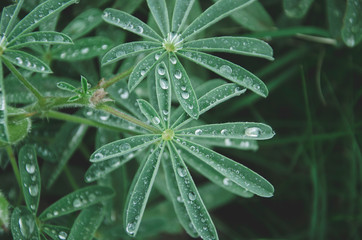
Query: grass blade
(75, 201)
(29, 39)
(160, 14)
(180, 13)
(23, 225)
(228, 70)
(122, 147)
(163, 92)
(151, 114)
(26, 61)
(30, 176)
(140, 190)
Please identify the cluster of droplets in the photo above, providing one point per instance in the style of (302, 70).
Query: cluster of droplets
(253, 132)
(125, 25)
(27, 63)
(33, 188)
(77, 52)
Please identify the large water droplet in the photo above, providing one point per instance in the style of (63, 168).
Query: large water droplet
(226, 182)
(185, 95)
(198, 132)
(19, 60)
(139, 29)
(181, 171)
(77, 203)
(131, 228)
(98, 155)
(124, 147)
(156, 120)
(104, 116)
(225, 69)
(224, 132)
(62, 235)
(33, 190)
(84, 50)
(124, 94)
(58, 38)
(27, 225)
(161, 70)
(164, 83)
(178, 74)
(173, 60)
(30, 168)
(253, 132)
(192, 196)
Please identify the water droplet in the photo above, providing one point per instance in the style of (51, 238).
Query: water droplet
(157, 56)
(165, 112)
(350, 41)
(225, 69)
(247, 81)
(124, 147)
(30, 39)
(131, 228)
(124, 94)
(104, 47)
(55, 213)
(156, 120)
(173, 60)
(244, 144)
(227, 142)
(77, 203)
(98, 155)
(198, 132)
(161, 70)
(183, 88)
(226, 182)
(84, 50)
(120, 54)
(62, 235)
(32, 206)
(185, 95)
(139, 29)
(179, 199)
(19, 60)
(253, 132)
(178, 74)
(33, 190)
(164, 83)
(30, 168)
(104, 116)
(26, 225)
(224, 132)
(58, 38)
(192, 196)
(62, 55)
(89, 113)
(181, 171)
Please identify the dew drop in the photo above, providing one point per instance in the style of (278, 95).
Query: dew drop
(131, 227)
(77, 203)
(224, 132)
(178, 74)
(161, 70)
(30, 168)
(179, 199)
(62, 55)
(244, 144)
(165, 112)
(156, 120)
(139, 29)
(30, 39)
(173, 60)
(33, 190)
(164, 83)
(32, 206)
(143, 72)
(62, 235)
(124, 147)
(26, 225)
(225, 69)
(19, 60)
(181, 171)
(124, 94)
(226, 182)
(58, 38)
(192, 196)
(185, 95)
(104, 116)
(157, 56)
(120, 54)
(227, 142)
(84, 50)
(253, 132)
(98, 156)
(104, 47)
(183, 88)
(198, 132)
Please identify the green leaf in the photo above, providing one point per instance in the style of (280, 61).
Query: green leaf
(40, 14)
(214, 14)
(176, 198)
(84, 84)
(335, 13)
(122, 147)
(87, 223)
(4, 132)
(26, 61)
(228, 70)
(214, 176)
(83, 49)
(83, 23)
(144, 67)
(9, 17)
(238, 130)
(238, 45)
(296, 8)
(140, 190)
(75, 201)
(56, 232)
(23, 225)
(30, 176)
(183, 89)
(130, 23)
(160, 14)
(180, 13)
(4, 211)
(195, 207)
(67, 87)
(151, 89)
(30, 39)
(151, 114)
(163, 92)
(229, 143)
(127, 50)
(352, 23)
(230, 169)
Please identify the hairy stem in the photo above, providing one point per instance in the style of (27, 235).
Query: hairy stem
(116, 78)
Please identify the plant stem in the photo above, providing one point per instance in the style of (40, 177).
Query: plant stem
(128, 118)
(116, 78)
(14, 165)
(70, 178)
(23, 80)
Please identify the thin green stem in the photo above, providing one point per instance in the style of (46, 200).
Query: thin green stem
(14, 165)
(116, 78)
(70, 178)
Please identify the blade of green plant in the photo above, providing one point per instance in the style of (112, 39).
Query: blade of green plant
(23, 225)
(122, 147)
(151, 88)
(213, 14)
(4, 132)
(335, 13)
(296, 8)
(29, 39)
(251, 145)
(83, 23)
(87, 223)
(183, 89)
(151, 114)
(6, 16)
(230, 169)
(160, 14)
(75, 201)
(83, 49)
(176, 198)
(127, 50)
(11, 19)
(211, 99)
(140, 190)
(143, 68)
(30, 177)
(67, 87)
(195, 207)
(352, 23)
(56, 232)
(180, 13)
(4, 209)
(214, 176)
(163, 92)
(228, 70)
(40, 14)
(130, 23)
(239, 45)
(26, 61)
(84, 84)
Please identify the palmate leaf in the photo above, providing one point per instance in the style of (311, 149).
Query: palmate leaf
(140, 190)
(230, 169)
(214, 14)
(56, 232)
(296, 8)
(75, 201)
(160, 14)
(39, 38)
(30, 177)
(195, 207)
(26, 61)
(228, 70)
(151, 114)
(352, 23)
(163, 92)
(180, 13)
(23, 225)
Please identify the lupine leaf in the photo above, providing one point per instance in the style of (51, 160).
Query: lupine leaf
(214, 176)
(26, 61)
(23, 224)
(230, 169)
(84, 84)
(56, 232)
(82, 49)
(151, 114)
(76, 200)
(195, 207)
(11, 19)
(140, 190)
(127, 50)
(87, 222)
(335, 13)
(238, 45)
(143, 67)
(227, 70)
(296, 8)
(163, 92)
(214, 14)
(180, 13)
(30, 177)
(130, 23)
(160, 14)
(352, 23)
(67, 87)
(151, 88)
(4, 132)
(183, 89)
(229, 143)
(124, 146)
(39, 15)
(176, 199)
(40, 38)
